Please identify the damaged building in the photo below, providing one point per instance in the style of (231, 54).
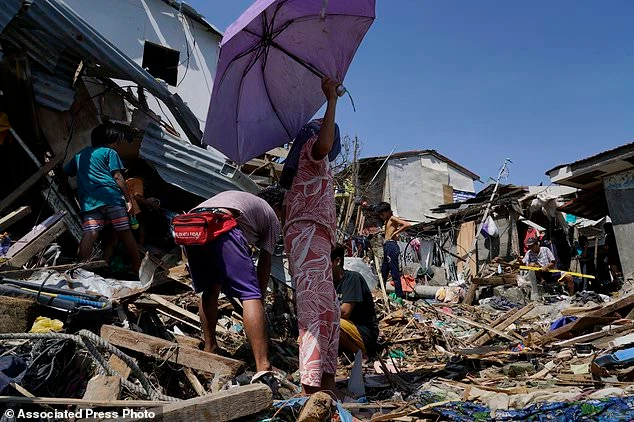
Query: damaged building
(68, 66)
(606, 184)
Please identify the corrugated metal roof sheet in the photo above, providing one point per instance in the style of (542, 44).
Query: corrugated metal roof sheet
(52, 91)
(202, 172)
(8, 11)
(49, 30)
(626, 150)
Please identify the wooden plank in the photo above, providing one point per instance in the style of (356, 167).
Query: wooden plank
(174, 308)
(187, 341)
(173, 352)
(258, 163)
(14, 217)
(38, 245)
(182, 321)
(569, 330)
(195, 382)
(619, 305)
(17, 314)
(103, 387)
(65, 401)
(278, 152)
(33, 234)
(119, 366)
(27, 393)
(496, 324)
(30, 182)
(382, 283)
(579, 310)
(61, 268)
(515, 337)
(155, 300)
(494, 281)
(503, 325)
(470, 296)
(221, 407)
(593, 336)
(447, 194)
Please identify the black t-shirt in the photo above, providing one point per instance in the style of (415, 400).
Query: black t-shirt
(353, 289)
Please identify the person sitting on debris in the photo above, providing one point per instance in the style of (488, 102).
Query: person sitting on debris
(225, 264)
(391, 251)
(359, 324)
(309, 236)
(103, 195)
(541, 257)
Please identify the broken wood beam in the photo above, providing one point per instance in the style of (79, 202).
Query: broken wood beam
(37, 245)
(30, 182)
(187, 341)
(119, 366)
(164, 350)
(471, 292)
(501, 319)
(514, 337)
(35, 240)
(174, 308)
(569, 330)
(103, 387)
(13, 217)
(622, 304)
(61, 268)
(195, 382)
(16, 314)
(65, 401)
(27, 393)
(221, 407)
(503, 325)
(594, 336)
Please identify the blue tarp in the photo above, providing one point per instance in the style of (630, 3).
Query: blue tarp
(609, 409)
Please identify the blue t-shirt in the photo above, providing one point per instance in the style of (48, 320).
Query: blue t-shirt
(96, 186)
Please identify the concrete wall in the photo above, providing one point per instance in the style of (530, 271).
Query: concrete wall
(415, 185)
(129, 23)
(619, 192)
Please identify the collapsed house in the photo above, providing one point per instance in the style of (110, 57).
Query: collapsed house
(61, 77)
(606, 184)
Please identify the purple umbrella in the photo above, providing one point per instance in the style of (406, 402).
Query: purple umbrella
(271, 62)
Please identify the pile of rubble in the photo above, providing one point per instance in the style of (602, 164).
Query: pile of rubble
(138, 345)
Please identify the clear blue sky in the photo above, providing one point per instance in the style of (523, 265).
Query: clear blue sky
(540, 82)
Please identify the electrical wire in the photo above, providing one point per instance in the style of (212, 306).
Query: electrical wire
(187, 45)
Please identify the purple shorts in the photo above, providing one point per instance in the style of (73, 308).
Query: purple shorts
(225, 261)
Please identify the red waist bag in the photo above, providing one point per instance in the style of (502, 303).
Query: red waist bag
(199, 228)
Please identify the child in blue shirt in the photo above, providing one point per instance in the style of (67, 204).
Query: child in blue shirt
(103, 194)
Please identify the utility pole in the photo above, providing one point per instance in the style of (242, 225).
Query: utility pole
(487, 210)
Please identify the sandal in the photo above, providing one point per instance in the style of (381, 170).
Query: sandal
(274, 380)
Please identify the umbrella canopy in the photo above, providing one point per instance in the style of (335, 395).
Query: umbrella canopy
(271, 61)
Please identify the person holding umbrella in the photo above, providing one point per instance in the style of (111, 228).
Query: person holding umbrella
(309, 236)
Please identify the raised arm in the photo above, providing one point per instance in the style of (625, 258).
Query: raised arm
(326, 137)
(401, 225)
